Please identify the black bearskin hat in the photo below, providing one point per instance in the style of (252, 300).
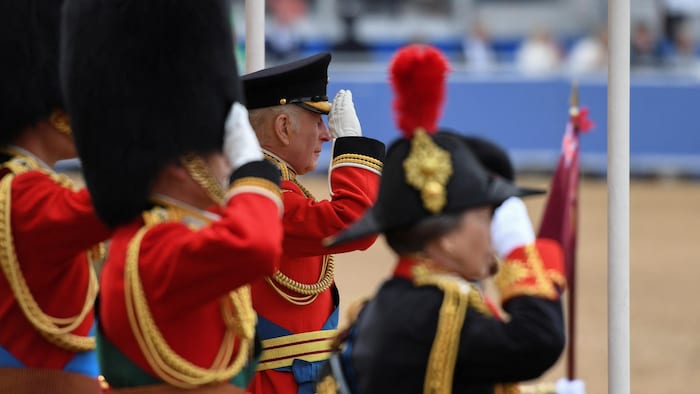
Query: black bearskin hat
(145, 82)
(29, 41)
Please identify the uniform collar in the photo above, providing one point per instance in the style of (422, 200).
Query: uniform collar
(288, 172)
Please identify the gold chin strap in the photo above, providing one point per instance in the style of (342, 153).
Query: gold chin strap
(199, 171)
(59, 120)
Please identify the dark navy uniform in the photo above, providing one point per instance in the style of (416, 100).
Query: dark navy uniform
(428, 329)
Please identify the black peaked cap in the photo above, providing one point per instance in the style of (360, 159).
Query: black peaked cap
(302, 82)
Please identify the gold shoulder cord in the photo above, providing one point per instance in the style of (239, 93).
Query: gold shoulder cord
(309, 291)
(21, 162)
(55, 330)
(439, 374)
(238, 316)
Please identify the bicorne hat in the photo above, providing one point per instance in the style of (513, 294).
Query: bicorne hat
(426, 172)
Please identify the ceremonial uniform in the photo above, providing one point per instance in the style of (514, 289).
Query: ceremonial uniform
(50, 234)
(298, 306)
(174, 166)
(167, 280)
(48, 283)
(428, 328)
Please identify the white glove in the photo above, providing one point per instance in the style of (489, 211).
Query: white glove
(342, 120)
(511, 227)
(241, 145)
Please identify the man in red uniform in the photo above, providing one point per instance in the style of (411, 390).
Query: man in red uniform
(154, 96)
(49, 231)
(297, 306)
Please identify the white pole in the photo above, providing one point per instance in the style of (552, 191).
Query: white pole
(254, 35)
(618, 198)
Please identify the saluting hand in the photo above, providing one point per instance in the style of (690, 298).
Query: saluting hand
(241, 145)
(511, 227)
(342, 119)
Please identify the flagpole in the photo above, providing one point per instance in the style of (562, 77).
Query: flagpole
(571, 293)
(618, 197)
(254, 35)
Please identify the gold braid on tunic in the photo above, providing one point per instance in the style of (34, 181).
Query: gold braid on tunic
(56, 330)
(236, 310)
(200, 173)
(309, 292)
(458, 297)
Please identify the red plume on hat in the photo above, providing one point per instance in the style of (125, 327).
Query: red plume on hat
(418, 73)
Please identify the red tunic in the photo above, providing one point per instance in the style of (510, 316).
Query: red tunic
(354, 185)
(51, 227)
(188, 262)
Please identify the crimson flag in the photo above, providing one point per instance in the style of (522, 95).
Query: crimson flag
(559, 221)
(560, 214)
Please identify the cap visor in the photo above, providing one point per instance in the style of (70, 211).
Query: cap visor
(366, 226)
(322, 107)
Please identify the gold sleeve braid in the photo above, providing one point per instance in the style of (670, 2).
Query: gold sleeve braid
(257, 185)
(525, 275)
(357, 159)
(237, 313)
(55, 330)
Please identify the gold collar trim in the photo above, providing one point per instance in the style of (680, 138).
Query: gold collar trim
(288, 172)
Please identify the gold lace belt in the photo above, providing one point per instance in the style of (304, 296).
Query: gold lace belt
(308, 346)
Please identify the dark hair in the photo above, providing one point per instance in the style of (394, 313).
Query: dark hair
(414, 238)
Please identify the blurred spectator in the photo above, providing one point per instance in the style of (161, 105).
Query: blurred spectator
(645, 49)
(682, 56)
(675, 14)
(281, 38)
(349, 12)
(478, 51)
(589, 54)
(538, 54)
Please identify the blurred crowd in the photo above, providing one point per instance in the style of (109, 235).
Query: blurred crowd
(666, 43)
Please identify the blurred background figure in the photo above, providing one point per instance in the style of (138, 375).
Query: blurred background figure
(478, 52)
(589, 54)
(281, 38)
(350, 47)
(539, 53)
(675, 14)
(682, 56)
(645, 50)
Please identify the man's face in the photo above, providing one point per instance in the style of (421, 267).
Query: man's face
(307, 134)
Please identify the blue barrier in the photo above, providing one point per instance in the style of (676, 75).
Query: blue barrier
(527, 116)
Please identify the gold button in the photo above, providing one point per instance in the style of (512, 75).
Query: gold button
(283, 101)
